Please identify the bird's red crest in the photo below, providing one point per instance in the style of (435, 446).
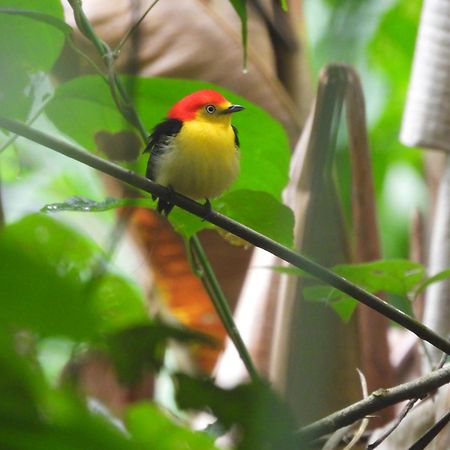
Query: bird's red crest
(187, 107)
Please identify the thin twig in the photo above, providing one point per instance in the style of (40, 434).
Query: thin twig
(398, 420)
(404, 412)
(364, 422)
(376, 401)
(206, 274)
(230, 225)
(132, 30)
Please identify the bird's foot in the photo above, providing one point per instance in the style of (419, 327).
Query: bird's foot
(207, 209)
(165, 205)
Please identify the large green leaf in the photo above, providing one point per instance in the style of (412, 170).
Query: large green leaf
(31, 42)
(83, 107)
(49, 282)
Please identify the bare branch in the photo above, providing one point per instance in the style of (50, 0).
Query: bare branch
(376, 401)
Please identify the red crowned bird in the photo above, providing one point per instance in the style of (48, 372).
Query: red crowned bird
(195, 150)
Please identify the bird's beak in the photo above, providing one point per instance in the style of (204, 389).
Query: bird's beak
(233, 109)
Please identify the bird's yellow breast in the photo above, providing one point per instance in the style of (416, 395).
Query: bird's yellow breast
(202, 160)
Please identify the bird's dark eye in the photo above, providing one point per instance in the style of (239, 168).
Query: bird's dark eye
(210, 109)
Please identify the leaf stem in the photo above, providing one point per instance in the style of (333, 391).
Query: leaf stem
(206, 273)
(230, 225)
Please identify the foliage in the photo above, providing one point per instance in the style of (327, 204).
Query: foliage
(57, 285)
(402, 279)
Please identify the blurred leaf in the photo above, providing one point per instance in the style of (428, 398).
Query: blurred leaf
(32, 46)
(440, 276)
(48, 19)
(141, 348)
(262, 419)
(48, 282)
(150, 427)
(118, 302)
(39, 289)
(284, 5)
(240, 7)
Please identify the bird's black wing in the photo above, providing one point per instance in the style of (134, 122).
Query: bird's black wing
(158, 141)
(157, 145)
(236, 137)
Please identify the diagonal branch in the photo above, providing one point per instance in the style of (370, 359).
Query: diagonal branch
(376, 401)
(230, 225)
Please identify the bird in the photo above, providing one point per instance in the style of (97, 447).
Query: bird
(195, 151)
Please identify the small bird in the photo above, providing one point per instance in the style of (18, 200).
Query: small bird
(195, 150)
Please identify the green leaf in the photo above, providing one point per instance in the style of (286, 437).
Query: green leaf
(87, 100)
(240, 7)
(440, 276)
(49, 282)
(397, 276)
(141, 348)
(48, 19)
(150, 427)
(342, 304)
(39, 289)
(261, 212)
(32, 47)
(263, 419)
(284, 5)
